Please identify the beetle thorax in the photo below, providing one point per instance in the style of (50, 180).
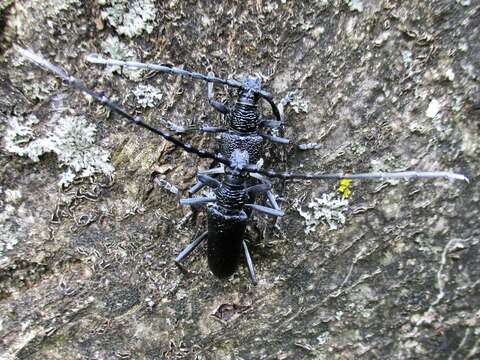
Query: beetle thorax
(244, 116)
(231, 195)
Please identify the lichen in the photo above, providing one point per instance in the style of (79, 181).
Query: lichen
(63, 5)
(130, 18)
(147, 95)
(119, 51)
(328, 209)
(355, 5)
(297, 102)
(7, 230)
(433, 108)
(8, 226)
(72, 140)
(345, 188)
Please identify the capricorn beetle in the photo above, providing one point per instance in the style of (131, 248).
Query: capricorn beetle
(241, 148)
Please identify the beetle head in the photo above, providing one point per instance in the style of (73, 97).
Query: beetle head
(252, 82)
(248, 94)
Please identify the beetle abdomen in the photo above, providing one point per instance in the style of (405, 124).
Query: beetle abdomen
(225, 236)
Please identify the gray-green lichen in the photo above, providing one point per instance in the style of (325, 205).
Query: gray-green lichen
(403, 269)
(58, 6)
(355, 5)
(72, 139)
(114, 47)
(130, 17)
(7, 235)
(147, 96)
(433, 108)
(297, 102)
(329, 209)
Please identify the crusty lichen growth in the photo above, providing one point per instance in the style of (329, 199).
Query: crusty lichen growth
(72, 140)
(63, 5)
(328, 209)
(116, 49)
(355, 5)
(297, 102)
(345, 188)
(147, 96)
(384, 269)
(130, 18)
(7, 235)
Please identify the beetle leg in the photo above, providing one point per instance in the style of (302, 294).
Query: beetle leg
(197, 200)
(209, 181)
(272, 200)
(216, 104)
(259, 188)
(214, 171)
(251, 269)
(270, 123)
(205, 180)
(266, 210)
(190, 248)
(195, 188)
(275, 139)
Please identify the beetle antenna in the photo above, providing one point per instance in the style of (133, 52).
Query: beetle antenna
(102, 99)
(96, 59)
(359, 176)
(278, 114)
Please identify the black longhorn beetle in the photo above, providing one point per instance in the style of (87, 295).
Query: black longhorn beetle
(234, 196)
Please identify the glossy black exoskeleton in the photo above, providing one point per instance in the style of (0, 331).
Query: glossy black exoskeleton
(241, 148)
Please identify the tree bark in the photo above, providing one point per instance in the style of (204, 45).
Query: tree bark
(86, 270)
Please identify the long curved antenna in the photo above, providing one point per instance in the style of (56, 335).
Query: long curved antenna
(279, 115)
(102, 99)
(362, 176)
(96, 59)
(78, 85)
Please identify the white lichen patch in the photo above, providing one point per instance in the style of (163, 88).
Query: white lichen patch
(8, 239)
(147, 95)
(119, 51)
(12, 196)
(323, 338)
(407, 57)
(355, 5)
(433, 108)
(74, 144)
(450, 75)
(57, 6)
(19, 139)
(297, 102)
(329, 209)
(72, 140)
(130, 17)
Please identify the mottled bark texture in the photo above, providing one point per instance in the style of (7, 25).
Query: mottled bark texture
(392, 272)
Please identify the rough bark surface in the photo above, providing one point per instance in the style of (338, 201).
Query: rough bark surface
(86, 271)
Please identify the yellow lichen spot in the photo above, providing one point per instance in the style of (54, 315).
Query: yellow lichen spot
(344, 188)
